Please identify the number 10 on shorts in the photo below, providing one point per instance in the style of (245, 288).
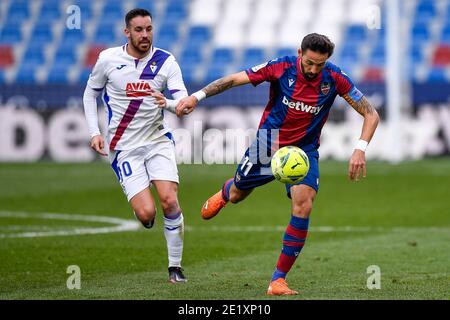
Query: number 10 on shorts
(126, 169)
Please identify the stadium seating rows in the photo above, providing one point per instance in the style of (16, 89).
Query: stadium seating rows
(214, 37)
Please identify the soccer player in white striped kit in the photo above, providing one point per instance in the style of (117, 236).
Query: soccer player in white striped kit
(140, 144)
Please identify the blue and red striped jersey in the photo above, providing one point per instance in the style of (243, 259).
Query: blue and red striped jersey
(298, 107)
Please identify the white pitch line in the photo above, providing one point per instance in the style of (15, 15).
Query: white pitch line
(325, 229)
(120, 225)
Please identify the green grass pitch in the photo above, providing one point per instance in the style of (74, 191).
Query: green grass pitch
(398, 218)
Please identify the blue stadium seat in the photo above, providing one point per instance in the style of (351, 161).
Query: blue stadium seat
(222, 56)
(166, 37)
(350, 51)
(105, 33)
(42, 32)
(252, 57)
(84, 75)
(146, 4)
(214, 72)
(416, 53)
(198, 36)
(50, 11)
(378, 54)
(34, 54)
(282, 52)
(58, 73)
(85, 9)
(188, 72)
(191, 56)
(445, 34)
(356, 33)
(11, 33)
(113, 10)
(65, 55)
(437, 75)
(72, 37)
(26, 74)
(420, 32)
(176, 11)
(425, 10)
(18, 10)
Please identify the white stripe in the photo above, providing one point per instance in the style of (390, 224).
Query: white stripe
(120, 224)
(325, 229)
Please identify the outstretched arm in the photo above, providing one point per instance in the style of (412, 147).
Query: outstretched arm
(357, 164)
(187, 105)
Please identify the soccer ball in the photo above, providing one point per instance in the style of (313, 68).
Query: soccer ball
(290, 165)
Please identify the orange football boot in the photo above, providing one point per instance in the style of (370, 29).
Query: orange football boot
(279, 287)
(213, 205)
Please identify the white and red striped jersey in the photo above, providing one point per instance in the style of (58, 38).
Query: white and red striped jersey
(133, 118)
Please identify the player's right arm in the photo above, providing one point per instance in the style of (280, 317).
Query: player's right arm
(187, 105)
(94, 88)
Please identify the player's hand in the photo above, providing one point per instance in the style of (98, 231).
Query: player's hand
(357, 165)
(160, 100)
(186, 106)
(97, 144)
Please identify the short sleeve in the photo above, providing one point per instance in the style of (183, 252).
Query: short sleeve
(98, 78)
(268, 71)
(345, 86)
(175, 83)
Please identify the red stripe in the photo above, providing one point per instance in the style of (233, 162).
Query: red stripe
(293, 243)
(133, 107)
(285, 262)
(297, 233)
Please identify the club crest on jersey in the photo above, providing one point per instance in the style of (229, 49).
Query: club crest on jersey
(325, 88)
(153, 66)
(138, 89)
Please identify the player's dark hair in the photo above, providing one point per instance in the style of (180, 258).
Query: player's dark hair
(135, 13)
(317, 42)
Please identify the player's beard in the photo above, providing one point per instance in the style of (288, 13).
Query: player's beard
(142, 46)
(308, 75)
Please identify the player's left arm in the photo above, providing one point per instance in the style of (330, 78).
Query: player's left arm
(357, 163)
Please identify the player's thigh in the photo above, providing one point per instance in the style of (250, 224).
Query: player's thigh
(129, 167)
(160, 162)
(250, 174)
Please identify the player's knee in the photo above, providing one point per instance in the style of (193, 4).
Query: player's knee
(169, 203)
(303, 208)
(145, 214)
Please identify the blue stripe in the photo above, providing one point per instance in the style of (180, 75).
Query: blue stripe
(288, 237)
(170, 136)
(106, 100)
(299, 223)
(158, 59)
(115, 167)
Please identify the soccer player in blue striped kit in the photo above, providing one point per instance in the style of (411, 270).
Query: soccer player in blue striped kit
(302, 91)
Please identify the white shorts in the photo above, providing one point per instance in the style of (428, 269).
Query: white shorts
(137, 168)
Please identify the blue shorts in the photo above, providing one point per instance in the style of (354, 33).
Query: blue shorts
(251, 175)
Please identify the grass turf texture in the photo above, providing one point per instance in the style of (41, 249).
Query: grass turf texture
(221, 259)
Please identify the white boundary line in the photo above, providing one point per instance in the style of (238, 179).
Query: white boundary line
(325, 229)
(120, 225)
